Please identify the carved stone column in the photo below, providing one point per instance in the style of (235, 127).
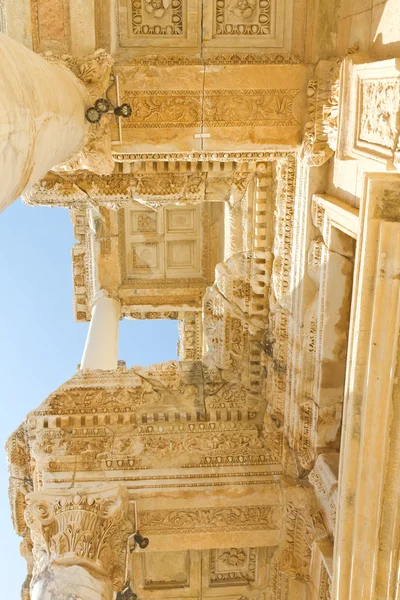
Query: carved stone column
(79, 543)
(101, 348)
(42, 117)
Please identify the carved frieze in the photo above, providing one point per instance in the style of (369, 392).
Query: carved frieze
(146, 446)
(225, 58)
(216, 108)
(209, 519)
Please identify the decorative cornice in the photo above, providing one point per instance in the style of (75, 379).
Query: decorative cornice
(203, 156)
(218, 59)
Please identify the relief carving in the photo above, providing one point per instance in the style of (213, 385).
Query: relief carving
(213, 519)
(243, 17)
(321, 130)
(380, 101)
(157, 17)
(233, 566)
(80, 528)
(221, 108)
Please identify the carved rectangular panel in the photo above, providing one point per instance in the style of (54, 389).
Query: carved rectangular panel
(162, 23)
(250, 107)
(210, 573)
(243, 17)
(369, 123)
(181, 221)
(233, 566)
(181, 254)
(166, 570)
(380, 101)
(248, 23)
(146, 255)
(51, 25)
(143, 221)
(167, 243)
(156, 17)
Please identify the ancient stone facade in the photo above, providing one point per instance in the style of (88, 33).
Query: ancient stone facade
(253, 195)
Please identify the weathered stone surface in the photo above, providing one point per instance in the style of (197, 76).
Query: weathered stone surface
(252, 195)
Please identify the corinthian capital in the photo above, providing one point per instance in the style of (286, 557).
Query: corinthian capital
(85, 528)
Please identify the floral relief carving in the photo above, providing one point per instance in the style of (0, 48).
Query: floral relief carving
(321, 128)
(233, 557)
(243, 17)
(302, 527)
(147, 223)
(203, 520)
(80, 526)
(233, 566)
(222, 108)
(157, 18)
(380, 101)
(157, 7)
(242, 8)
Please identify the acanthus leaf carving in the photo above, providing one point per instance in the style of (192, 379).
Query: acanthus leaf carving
(81, 527)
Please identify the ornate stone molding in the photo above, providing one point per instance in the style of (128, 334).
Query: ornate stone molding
(277, 343)
(237, 58)
(321, 130)
(291, 572)
(86, 528)
(203, 156)
(150, 187)
(190, 336)
(369, 125)
(324, 478)
(209, 519)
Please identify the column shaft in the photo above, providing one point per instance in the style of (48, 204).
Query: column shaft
(73, 581)
(42, 117)
(101, 348)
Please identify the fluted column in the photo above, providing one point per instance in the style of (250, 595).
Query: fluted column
(79, 543)
(42, 117)
(101, 348)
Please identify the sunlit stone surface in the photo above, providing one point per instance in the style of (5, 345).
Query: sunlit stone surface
(253, 195)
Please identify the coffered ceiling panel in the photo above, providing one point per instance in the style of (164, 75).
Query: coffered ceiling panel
(159, 23)
(197, 25)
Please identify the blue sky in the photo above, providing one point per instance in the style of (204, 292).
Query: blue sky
(40, 342)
